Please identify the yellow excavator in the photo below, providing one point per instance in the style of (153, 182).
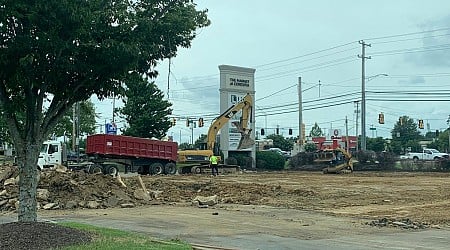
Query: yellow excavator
(340, 163)
(197, 161)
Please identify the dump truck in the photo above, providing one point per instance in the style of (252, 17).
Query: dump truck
(197, 161)
(106, 152)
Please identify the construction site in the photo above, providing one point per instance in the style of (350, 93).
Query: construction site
(418, 197)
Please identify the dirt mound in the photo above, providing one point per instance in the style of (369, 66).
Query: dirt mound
(38, 235)
(72, 189)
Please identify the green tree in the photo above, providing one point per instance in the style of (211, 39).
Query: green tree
(200, 143)
(310, 147)
(145, 110)
(376, 144)
(62, 52)
(280, 142)
(87, 120)
(316, 131)
(184, 146)
(405, 134)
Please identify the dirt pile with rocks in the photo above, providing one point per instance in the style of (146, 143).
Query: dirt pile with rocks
(62, 189)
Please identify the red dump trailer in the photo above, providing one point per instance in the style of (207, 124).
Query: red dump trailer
(142, 155)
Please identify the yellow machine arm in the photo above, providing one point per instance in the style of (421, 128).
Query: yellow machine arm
(246, 106)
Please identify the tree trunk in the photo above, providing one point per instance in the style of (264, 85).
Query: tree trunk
(28, 182)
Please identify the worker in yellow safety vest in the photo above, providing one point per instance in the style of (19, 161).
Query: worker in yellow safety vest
(213, 164)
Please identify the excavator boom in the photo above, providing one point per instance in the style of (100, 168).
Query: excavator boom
(245, 105)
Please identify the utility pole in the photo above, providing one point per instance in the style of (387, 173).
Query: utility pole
(347, 143)
(74, 125)
(78, 132)
(319, 88)
(448, 130)
(357, 118)
(363, 93)
(114, 107)
(300, 114)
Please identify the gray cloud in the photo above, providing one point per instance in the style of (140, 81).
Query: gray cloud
(436, 44)
(413, 80)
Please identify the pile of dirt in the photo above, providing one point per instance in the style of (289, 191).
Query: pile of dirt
(62, 189)
(39, 235)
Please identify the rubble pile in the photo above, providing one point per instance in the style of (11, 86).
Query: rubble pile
(399, 223)
(62, 189)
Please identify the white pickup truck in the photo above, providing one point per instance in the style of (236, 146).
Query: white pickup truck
(428, 154)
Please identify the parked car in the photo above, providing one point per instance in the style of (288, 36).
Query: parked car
(427, 154)
(285, 154)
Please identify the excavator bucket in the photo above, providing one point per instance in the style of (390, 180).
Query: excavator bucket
(245, 142)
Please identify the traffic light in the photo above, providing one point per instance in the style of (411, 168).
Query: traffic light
(421, 124)
(278, 131)
(437, 132)
(262, 131)
(381, 118)
(290, 131)
(187, 122)
(200, 122)
(174, 122)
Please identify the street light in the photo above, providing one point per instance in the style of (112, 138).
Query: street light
(363, 108)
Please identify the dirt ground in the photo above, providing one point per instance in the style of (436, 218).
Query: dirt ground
(389, 200)
(419, 197)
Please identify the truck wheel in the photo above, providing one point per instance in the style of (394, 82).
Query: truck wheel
(95, 169)
(111, 170)
(196, 170)
(157, 168)
(170, 168)
(415, 159)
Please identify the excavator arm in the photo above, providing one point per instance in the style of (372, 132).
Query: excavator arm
(246, 106)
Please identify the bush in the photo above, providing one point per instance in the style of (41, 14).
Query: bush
(301, 159)
(386, 160)
(243, 160)
(366, 156)
(269, 160)
(231, 161)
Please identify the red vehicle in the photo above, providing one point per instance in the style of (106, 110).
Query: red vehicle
(142, 155)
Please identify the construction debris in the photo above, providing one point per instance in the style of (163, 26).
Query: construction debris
(399, 223)
(63, 189)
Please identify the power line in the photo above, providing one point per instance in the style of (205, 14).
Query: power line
(407, 34)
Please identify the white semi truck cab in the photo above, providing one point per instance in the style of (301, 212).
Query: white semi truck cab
(52, 153)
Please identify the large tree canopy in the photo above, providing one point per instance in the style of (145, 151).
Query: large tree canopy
(145, 110)
(62, 52)
(405, 134)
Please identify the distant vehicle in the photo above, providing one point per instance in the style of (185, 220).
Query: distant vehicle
(285, 154)
(106, 152)
(427, 154)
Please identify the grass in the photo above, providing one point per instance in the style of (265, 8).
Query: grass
(111, 239)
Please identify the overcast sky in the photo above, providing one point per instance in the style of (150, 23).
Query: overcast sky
(319, 42)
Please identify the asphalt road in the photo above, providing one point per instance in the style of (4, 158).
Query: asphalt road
(251, 227)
